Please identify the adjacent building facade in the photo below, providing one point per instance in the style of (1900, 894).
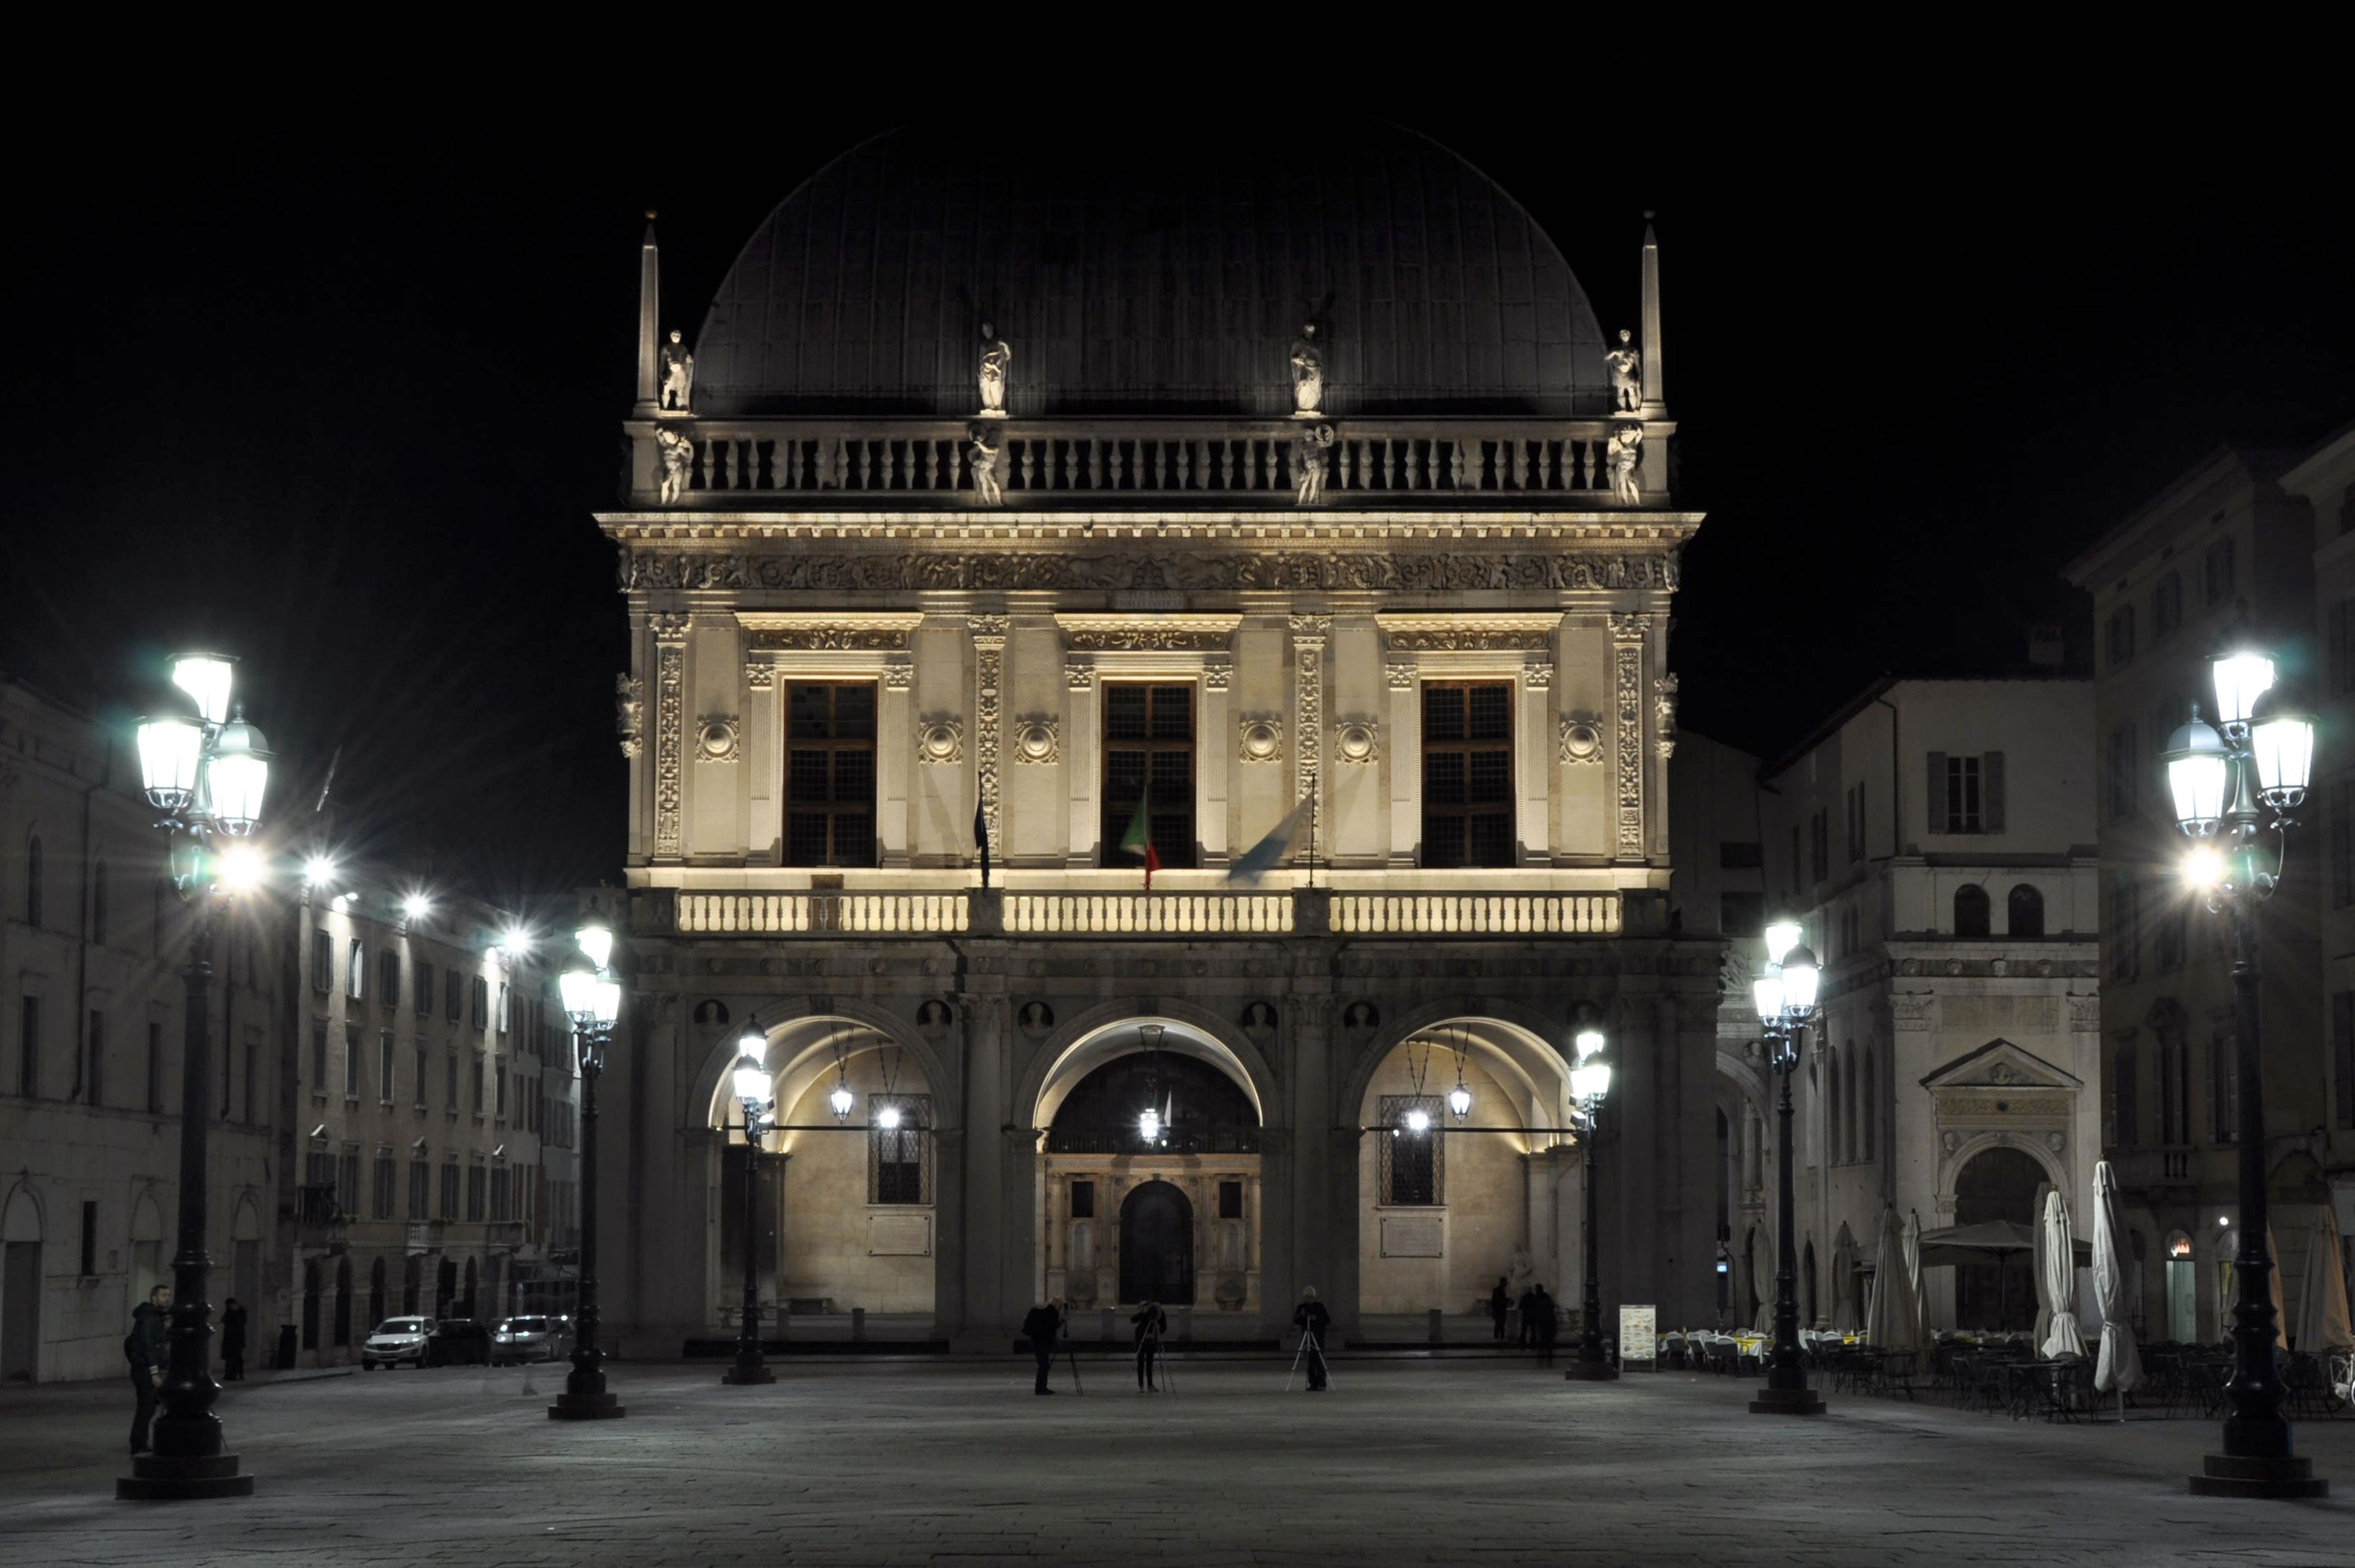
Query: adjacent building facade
(1068, 515)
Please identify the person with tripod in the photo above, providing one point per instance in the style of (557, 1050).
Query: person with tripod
(1151, 1324)
(1311, 1318)
(1040, 1327)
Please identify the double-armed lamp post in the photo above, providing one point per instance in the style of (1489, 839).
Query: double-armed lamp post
(2232, 791)
(1590, 1080)
(205, 770)
(592, 1000)
(756, 1093)
(1784, 994)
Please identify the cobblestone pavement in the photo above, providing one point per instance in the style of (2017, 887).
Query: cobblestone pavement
(1402, 1462)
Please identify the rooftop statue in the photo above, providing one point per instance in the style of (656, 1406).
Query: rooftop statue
(676, 451)
(996, 359)
(1626, 455)
(1626, 365)
(1308, 375)
(985, 469)
(678, 374)
(1308, 464)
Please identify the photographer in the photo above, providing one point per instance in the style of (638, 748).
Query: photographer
(1151, 1324)
(1041, 1327)
(1311, 1319)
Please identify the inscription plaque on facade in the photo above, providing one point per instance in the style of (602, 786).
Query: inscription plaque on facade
(899, 1235)
(1413, 1236)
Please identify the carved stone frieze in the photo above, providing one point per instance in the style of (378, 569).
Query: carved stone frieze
(989, 634)
(1629, 625)
(668, 625)
(670, 742)
(760, 676)
(1037, 740)
(1913, 1010)
(1628, 660)
(629, 714)
(1400, 675)
(1261, 737)
(940, 741)
(1308, 634)
(719, 738)
(1218, 677)
(2085, 1012)
(1538, 675)
(1078, 676)
(1307, 570)
(898, 677)
(1471, 632)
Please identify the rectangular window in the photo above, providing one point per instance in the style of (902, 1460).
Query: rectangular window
(352, 1061)
(499, 1087)
(2126, 774)
(387, 979)
(1856, 824)
(155, 1067)
(89, 1238)
(2338, 657)
(450, 1083)
(1467, 773)
(2121, 634)
(1966, 793)
(2342, 1056)
(1412, 1161)
(478, 1083)
(2121, 930)
(252, 1059)
(356, 972)
(96, 1053)
(1231, 1199)
(381, 1188)
(1738, 855)
(424, 990)
(454, 996)
(347, 1182)
(2170, 933)
(1819, 849)
(424, 1067)
(449, 1189)
(2216, 571)
(2224, 1087)
(421, 1191)
(1741, 914)
(384, 1066)
(475, 1194)
(829, 775)
(503, 1006)
(899, 1164)
(1083, 1200)
(482, 1002)
(1798, 868)
(2169, 1083)
(318, 1056)
(2126, 1110)
(2166, 605)
(1149, 758)
(502, 1193)
(323, 960)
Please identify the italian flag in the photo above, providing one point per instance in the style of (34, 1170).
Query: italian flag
(1138, 839)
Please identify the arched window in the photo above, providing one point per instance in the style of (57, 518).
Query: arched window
(1971, 911)
(33, 881)
(2026, 914)
(1872, 1102)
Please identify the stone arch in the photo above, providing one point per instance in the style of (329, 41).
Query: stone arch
(1518, 1036)
(21, 1219)
(800, 1039)
(1950, 1166)
(1080, 1046)
(246, 1226)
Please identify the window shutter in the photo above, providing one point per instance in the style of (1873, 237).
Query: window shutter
(1938, 823)
(1991, 791)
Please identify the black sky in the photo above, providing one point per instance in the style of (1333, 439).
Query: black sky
(343, 404)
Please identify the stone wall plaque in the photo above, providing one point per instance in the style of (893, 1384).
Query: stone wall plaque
(1413, 1236)
(899, 1235)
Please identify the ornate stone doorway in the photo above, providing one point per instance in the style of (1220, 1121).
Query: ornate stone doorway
(1156, 1245)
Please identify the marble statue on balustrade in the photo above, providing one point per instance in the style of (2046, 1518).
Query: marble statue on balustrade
(1308, 375)
(996, 360)
(1626, 363)
(1308, 449)
(1626, 458)
(984, 468)
(676, 450)
(678, 375)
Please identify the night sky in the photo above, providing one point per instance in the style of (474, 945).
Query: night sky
(343, 404)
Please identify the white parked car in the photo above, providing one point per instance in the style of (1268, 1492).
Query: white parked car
(394, 1341)
(528, 1339)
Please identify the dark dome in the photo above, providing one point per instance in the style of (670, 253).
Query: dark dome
(1161, 276)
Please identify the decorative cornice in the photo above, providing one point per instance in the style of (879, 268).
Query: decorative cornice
(1011, 568)
(1148, 629)
(886, 631)
(1468, 632)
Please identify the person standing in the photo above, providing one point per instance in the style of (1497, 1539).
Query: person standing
(1311, 1319)
(1548, 1325)
(1151, 1324)
(1528, 1328)
(1041, 1327)
(147, 1348)
(233, 1342)
(1500, 1307)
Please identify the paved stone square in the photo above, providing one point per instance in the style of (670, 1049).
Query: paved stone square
(1403, 1461)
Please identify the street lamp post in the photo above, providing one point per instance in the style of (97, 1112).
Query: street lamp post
(1590, 1080)
(592, 1000)
(206, 773)
(754, 1092)
(1784, 994)
(2230, 790)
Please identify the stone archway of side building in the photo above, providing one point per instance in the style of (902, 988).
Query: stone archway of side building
(1999, 1182)
(20, 1286)
(1156, 1245)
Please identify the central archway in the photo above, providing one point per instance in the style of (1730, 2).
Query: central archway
(1156, 1245)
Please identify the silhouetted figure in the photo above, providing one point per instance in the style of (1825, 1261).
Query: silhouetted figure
(233, 1316)
(146, 1347)
(1500, 1307)
(1041, 1327)
(1151, 1324)
(1312, 1319)
(1548, 1325)
(1528, 1332)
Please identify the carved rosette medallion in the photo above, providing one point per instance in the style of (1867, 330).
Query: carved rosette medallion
(1037, 740)
(1581, 739)
(989, 648)
(719, 738)
(1356, 740)
(1261, 739)
(940, 741)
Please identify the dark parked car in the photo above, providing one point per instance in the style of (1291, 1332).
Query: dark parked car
(458, 1342)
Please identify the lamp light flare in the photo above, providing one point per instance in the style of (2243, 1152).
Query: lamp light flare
(1782, 935)
(597, 942)
(241, 869)
(2203, 868)
(1418, 1120)
(206, 677)
(888, 1118)
(1589, 1041)
(319, 869)
(171, 757)
(516, 942)
(416, 906)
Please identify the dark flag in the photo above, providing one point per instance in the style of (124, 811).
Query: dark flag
(981, 839)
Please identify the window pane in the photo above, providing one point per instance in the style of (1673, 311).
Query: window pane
(1124, 713)
(806, 838)
(806, 776)
(1491, 717)
(1443, 778)
(1492, 840)
(810, 713)
(1173, 712)
(1443, 713)
(854, 713)
(1490, 781)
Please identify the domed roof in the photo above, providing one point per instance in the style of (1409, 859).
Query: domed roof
(1159, 277)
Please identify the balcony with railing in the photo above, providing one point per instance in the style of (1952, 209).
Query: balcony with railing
(1186, 913)
(2149, 1169)
(727, 464)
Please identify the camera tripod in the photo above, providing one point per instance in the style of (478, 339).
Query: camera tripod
(1307, 1339)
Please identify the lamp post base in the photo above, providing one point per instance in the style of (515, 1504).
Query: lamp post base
(743, 1374)
(160, 1479)
(2228, 1476)
(586, 1407)
(1592, 1372)
(1787, 1401)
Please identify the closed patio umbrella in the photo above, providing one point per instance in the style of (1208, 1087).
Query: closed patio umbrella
(1893, 1321)
(1913, 1275)
(2056, 1282)
(2323, 1322)
(2120, 1365)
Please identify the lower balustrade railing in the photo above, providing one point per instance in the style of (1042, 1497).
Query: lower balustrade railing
(1181, 914)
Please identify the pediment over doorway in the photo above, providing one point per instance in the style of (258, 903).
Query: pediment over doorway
(2000, 1064)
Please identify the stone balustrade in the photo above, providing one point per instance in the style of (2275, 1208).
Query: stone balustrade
(1255, 462)
(1174, 913)
(1487, 915)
